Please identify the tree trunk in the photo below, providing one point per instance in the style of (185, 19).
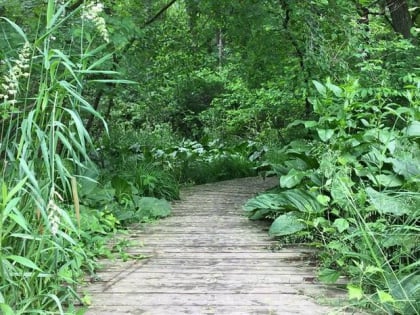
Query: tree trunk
(220, 47)
(299, 52)
(400, 16)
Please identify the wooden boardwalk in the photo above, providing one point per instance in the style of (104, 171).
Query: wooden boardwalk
(207, 258)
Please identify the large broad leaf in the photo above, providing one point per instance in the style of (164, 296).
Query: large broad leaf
(296, 163)
(260, 214)
(355, 292)
(341, 224)
(334, 88)
(293, 199)
(413, 130)
(407, 167)
(325, 134)
(320, 87)
(407, 291)
(302, 200)
(265, 201)
(385, 180)
(298, 146)
(328, 275)
(6, 309)
(341, 188)
(292, 178)
(386, 204)
(150, 207)
(286, 224)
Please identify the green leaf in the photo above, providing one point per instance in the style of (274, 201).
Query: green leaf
(323, 199)
(413, 130)
(122, 187)
(259, 214)
(341, 225)
(386, 204)
(6, 309)
(150, 207)
(407, 289)
(292, 179)
(16, 28)
(335, 89)
(310, 124)
(9, 195)
(99, 61)
(328, 275)
(57, 302)
(23, 261)
(385, 297)
(30, 174)
(320, 87)
(265, 201)
(373, 269)
(386, 180)
(19, 219)
(50, 13)
(302, 200)
(355, 292)
(325, 134)
(341, 188)
(286, 224)
(406, 167)
(117, 81)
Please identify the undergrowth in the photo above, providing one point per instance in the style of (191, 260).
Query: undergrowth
(354, 192)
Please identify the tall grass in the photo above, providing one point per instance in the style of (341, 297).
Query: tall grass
(43, 147)
(394, 278)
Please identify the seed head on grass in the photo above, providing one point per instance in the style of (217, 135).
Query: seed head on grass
(92, 13)
(19, 69)
(53, 211)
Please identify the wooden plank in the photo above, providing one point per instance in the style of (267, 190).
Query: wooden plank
(215, 251)
(236, 265)
(219, 299)
(205, 310)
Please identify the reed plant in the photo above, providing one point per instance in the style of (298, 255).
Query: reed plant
(44, 148)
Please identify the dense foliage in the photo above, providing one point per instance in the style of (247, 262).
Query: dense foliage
(107, 107)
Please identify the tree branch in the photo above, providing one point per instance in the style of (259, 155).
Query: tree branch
(161, 11)
(75, 5)
(284, 4)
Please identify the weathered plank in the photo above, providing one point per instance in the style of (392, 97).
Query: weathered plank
(207, 258)
(209, 310)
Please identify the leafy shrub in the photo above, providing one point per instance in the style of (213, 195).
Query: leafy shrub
(354, 190)
(194, 94)
(153, 181)
(251, 113)
(191, 161)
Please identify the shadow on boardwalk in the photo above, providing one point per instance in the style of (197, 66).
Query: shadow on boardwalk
(207, 258)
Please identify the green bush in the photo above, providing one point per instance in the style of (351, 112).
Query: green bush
(354, 191)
